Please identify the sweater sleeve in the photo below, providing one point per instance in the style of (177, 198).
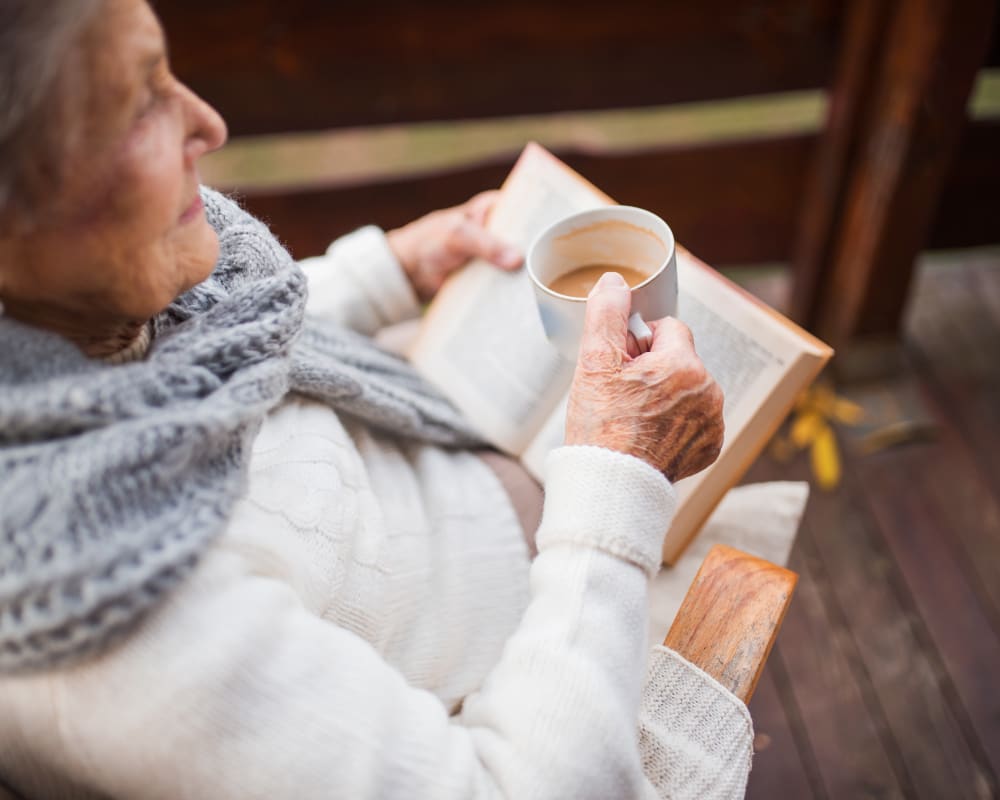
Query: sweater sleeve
(359, 283)
(695, 736)
(234, 689)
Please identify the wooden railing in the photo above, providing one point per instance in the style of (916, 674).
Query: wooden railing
(849, 206)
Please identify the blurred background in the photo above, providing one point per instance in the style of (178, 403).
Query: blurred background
(839, 159)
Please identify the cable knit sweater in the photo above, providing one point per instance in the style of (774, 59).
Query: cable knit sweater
(369, 626)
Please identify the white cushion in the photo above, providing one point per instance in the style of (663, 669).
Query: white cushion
(760, 519)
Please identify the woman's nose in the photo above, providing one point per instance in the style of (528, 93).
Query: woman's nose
(206, 128)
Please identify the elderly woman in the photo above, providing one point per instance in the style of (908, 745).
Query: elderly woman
(246, 553)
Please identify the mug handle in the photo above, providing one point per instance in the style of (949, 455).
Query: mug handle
(640, 330)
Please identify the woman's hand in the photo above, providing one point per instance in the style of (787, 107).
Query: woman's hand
(432, 247)
(661, 406)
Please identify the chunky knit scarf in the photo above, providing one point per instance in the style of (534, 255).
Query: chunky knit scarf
(114, 479)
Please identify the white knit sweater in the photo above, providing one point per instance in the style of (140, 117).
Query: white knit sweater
(369, 626)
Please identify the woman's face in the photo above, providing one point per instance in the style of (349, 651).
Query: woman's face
(125, 233)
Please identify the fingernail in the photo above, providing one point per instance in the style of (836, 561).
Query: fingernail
(609, 279)
(510, 257)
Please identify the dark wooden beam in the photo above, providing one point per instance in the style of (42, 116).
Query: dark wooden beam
(908, 131)
(313, 64)
(968, 213)
(860, 48)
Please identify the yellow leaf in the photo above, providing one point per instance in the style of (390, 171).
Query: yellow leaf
(805, 427)
(823, 399)
(847, 412)
(825, 458)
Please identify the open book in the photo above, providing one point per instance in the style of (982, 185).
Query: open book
(481, 342)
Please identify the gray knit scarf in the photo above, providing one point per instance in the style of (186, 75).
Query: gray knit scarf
(114, 479)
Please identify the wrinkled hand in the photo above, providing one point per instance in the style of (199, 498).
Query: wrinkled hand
(661, 406)
(432, 247)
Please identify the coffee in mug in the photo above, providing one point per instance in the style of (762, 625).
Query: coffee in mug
(569, 257)
(579, 281)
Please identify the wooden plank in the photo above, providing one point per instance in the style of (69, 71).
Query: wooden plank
(916, 495)
(954, 328)
(993, 58)
(310, 64)
(830, 693)
(922, 629)
(984, 275)
(913, 120)
(984, 268)
(855, 753)
(970, 200)
(730, 617)
(958, 485)
(924, 729)
(779, 769)
(728, 203)
(904, 673)
(6, 793)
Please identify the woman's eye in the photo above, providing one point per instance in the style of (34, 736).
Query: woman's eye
(155, 92)
(147, 104)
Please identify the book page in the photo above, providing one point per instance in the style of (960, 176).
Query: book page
(482, 344)
(745, 366)
(481, 341)
(761, 361)
(740, 348)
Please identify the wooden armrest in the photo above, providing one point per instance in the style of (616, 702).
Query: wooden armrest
(730, 617)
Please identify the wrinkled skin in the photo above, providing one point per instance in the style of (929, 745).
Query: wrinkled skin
(124, 233)
(661, 406)
(432, 247)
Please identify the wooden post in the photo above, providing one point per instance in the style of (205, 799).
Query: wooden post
(897, 110)
(863, 31)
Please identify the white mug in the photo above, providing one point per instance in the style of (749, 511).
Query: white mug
(624, 235)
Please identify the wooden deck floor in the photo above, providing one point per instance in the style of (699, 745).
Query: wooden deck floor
(885, 681)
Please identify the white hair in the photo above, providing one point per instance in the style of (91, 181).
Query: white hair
(35, 38)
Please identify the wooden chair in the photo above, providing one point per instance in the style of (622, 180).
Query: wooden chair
(730, 617)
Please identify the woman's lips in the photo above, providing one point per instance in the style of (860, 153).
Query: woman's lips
(192, 210)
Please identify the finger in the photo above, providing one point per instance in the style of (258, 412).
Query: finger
(471, 240)
(632, 346)
(605, 328)
(479, 207)
(670, 333)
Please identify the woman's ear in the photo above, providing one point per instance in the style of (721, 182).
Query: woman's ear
(14, 229)
(8, 221)
(15, 220)
(5, 207)
(5, 262)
